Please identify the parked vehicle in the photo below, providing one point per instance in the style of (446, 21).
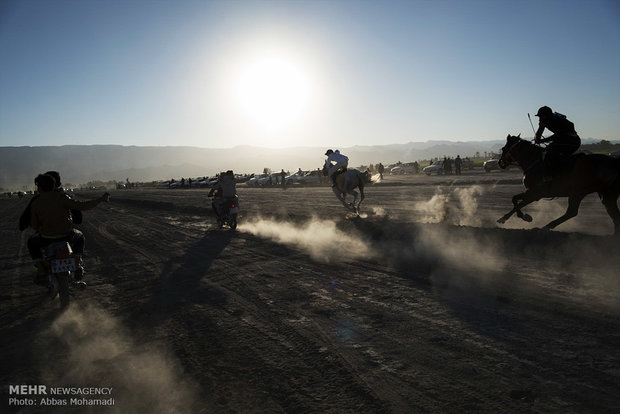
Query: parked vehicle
(408, 168)
(295, 177)
(490, 165)
(436, 168)
(269, 179)
(311, 177)
(253, 181)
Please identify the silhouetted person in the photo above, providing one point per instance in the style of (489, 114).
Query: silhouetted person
(380, 169)
(563, 142)
(457, 164)
(51, 217)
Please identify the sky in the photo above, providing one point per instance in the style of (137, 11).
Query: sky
(333, 73)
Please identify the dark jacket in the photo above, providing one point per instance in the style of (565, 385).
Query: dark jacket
(24, 219)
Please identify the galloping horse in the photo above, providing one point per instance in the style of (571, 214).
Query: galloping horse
(346, 182)
(585, 174)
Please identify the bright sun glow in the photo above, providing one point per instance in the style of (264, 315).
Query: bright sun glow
(273, 92)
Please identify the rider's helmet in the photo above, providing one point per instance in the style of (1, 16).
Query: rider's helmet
(328, 152)
(544, 111)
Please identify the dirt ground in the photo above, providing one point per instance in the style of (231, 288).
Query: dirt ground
(422, 304)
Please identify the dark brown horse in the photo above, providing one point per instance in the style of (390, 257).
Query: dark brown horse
(585, 174)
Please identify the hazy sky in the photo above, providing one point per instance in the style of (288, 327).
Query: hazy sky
(330, 73)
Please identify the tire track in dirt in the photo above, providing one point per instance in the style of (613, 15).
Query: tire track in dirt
(272, 334)
(352, 357)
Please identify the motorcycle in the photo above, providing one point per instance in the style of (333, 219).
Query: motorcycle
(61, 264)
(229, 212)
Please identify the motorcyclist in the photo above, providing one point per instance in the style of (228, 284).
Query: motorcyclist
(563, 142)
(34, 241)
(225, 190)
(335, 161)
(51, 217)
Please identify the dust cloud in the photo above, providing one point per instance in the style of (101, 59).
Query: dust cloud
(459, 207)
(319, 238)
(95, 350)
(458, 244)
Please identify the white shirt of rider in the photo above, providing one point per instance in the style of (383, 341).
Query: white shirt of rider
(336, 157)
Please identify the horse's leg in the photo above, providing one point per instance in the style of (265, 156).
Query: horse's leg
(515, 203)
(354, 194)
(526, 198)
(341, 196)
(571, 211)
(610, 201)
(531, 197)
(361, 187)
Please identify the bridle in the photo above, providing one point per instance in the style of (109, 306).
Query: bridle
(507, 154)
(508, 158)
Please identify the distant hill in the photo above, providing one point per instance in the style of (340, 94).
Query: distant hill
(79, 164)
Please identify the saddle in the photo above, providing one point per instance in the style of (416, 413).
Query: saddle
(554, 166)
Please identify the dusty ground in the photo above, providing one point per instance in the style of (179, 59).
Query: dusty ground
(424, 304)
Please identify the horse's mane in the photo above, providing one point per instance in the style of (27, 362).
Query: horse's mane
(529, 144)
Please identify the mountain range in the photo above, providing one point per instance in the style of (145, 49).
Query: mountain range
(79, 164)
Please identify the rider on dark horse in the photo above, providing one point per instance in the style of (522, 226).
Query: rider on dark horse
(335, 161)
(563, 142)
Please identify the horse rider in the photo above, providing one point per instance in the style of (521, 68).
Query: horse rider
(335, 161)
(563, 142)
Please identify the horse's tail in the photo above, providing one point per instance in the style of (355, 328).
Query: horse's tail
(367, 178)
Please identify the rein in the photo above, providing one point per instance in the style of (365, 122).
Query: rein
(511, 158)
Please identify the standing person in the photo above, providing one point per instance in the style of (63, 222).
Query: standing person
(563, 142)
(282, 177)
(380, 169)
(457, 164)
(335, 161)
(51, 217)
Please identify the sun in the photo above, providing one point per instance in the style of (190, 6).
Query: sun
(273, 92)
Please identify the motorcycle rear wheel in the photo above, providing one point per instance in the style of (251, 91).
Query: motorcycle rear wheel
(233, 222)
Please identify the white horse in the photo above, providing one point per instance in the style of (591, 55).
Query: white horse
(346, 182)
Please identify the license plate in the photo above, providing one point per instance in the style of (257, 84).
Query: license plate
(234, 210)
(63, 265)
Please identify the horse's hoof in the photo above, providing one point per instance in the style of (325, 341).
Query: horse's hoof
(527, 217)
(501, 220)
